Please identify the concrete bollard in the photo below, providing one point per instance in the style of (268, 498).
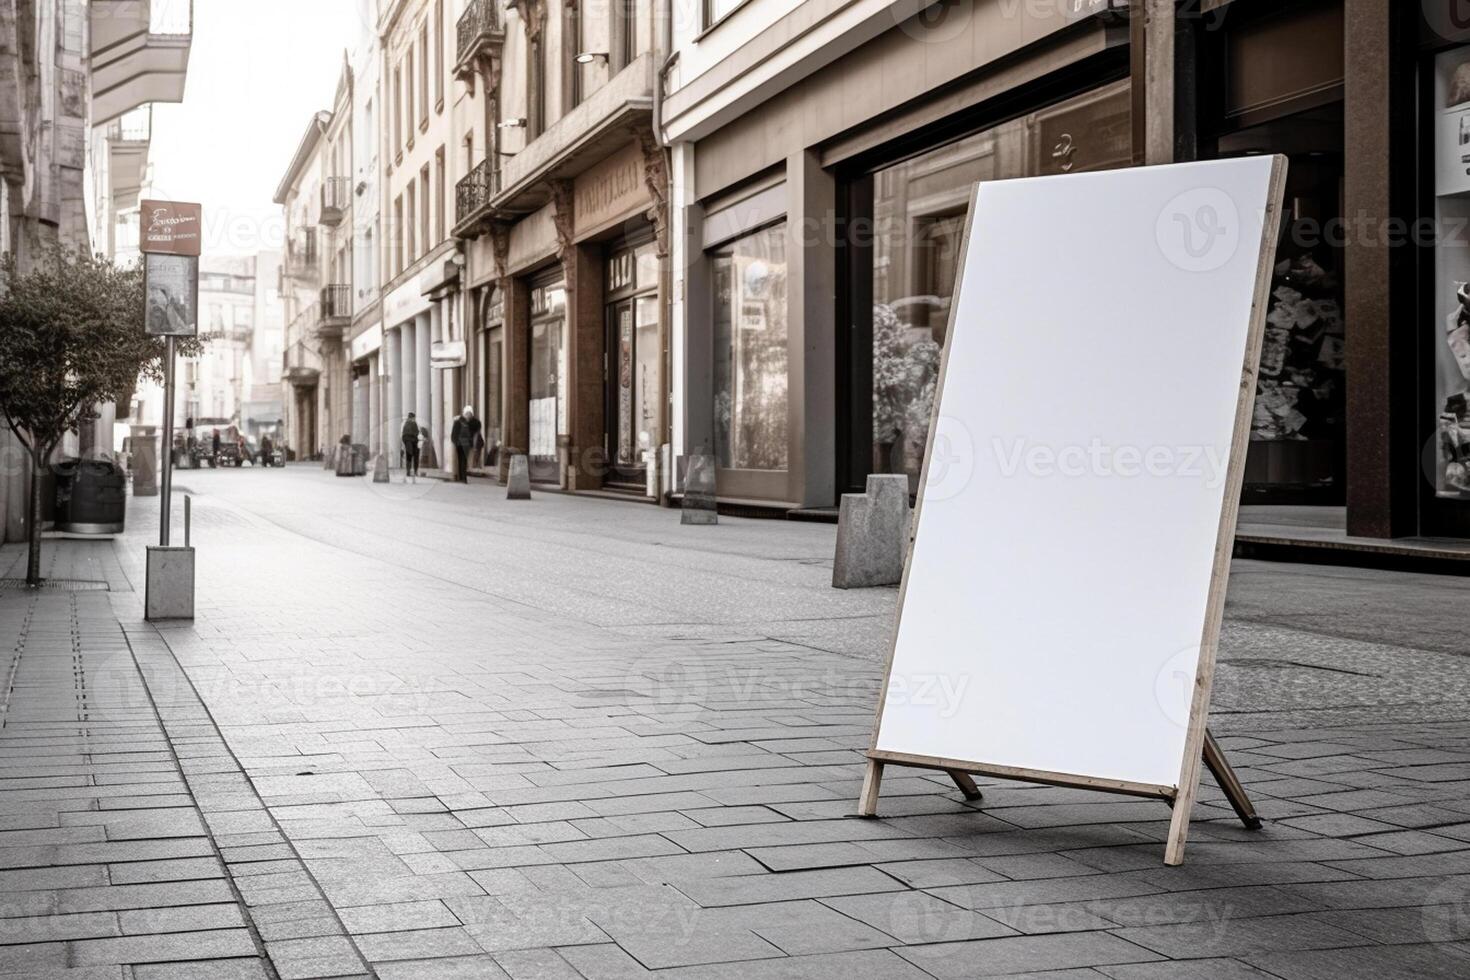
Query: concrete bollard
(144, 461)
(169, 590)
(872, 534)
(700, 504)
(380, 468)
(518, 482)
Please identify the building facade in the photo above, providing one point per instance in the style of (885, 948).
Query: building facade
(565, 221)
(76, 81)
(418, 362)
(821, 158)
(308, 356)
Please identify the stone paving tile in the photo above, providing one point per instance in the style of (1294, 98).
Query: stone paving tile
(550, 775)
(1423, 962)
(1022, 954)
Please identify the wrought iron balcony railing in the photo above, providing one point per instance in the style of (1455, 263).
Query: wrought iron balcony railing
(132, 127)
(336, 304)
(473, 193)
(478, 25)
(336, 197)
(171, 18)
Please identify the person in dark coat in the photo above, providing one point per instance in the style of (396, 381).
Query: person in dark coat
(267, 451)
(464, 435)
(410, 437)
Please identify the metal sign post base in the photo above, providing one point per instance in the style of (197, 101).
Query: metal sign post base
(170, 589)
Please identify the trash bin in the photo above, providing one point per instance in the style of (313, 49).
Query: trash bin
(91, 496)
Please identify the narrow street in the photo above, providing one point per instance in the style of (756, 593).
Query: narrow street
(422, 731)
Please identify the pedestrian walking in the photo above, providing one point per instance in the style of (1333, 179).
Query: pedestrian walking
(464, 434)
(267, 451)
(410, 437)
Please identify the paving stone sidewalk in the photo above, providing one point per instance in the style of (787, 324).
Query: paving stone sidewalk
(425, 732)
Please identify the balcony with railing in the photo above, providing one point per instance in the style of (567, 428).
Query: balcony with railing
(472, 198)
(336, 198)
(129, 138)
(479, 36)
(301, 365)
(335, 311)
(139, 53)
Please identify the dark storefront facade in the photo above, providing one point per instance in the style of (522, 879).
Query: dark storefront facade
(814, 312)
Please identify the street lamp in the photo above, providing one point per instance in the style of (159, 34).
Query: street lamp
(518, 122)
(588, 57)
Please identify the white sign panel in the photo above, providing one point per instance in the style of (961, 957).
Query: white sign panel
(1061, 595)
(171, 288)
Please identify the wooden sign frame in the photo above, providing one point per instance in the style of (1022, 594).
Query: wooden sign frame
(1200, 746)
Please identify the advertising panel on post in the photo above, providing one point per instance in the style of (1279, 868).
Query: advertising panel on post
(171, 285)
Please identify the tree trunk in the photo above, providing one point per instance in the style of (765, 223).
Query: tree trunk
(33, 522)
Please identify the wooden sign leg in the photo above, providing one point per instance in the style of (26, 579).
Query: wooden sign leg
(1219, 767)
(965, 783)
(868, 802)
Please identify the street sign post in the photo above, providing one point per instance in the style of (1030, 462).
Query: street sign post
(170, 236)
(170, 233)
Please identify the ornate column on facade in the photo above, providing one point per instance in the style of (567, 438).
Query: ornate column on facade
(436, 389)
(581, 445)
(656, 177)
(423, 388)
(515, 363)
(393, 421)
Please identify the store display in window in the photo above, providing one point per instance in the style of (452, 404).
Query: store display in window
(1300, 392)
(1454, 419)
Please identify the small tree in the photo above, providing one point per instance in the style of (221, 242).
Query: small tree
(71, 335)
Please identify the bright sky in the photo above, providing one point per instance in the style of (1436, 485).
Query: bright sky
(257, 72)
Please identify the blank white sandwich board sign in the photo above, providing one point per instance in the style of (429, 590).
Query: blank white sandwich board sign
(1062, 598)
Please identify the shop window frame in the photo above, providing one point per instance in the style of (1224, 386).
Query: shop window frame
(853, 350)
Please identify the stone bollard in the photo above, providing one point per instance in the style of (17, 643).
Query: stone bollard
(380, 468)
(144, 461)
(872, 534)
(518, 483)
(700, 505)
(168, 591)
(331, 459)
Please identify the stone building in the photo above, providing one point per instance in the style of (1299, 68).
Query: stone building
(76, 81)
(565, 223)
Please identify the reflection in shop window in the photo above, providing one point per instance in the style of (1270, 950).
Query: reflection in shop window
(1450, 329)
(919, 209)
(548, 371)
(750, 351)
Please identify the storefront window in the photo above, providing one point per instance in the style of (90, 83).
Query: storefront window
(918, 214)
(633, 346)
(491, 368)
(1450, 329)
(493, 359)
(750, 351)
(548, 374)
